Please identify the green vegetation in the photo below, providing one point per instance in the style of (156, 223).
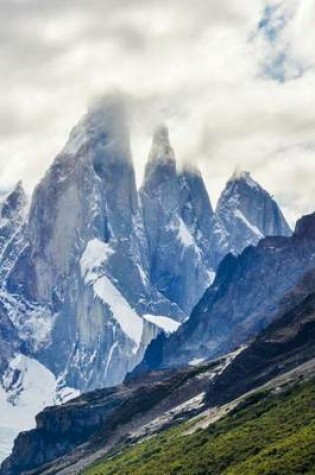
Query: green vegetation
(267, 435)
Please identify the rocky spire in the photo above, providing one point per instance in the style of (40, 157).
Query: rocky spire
(184, 236)
(248, 212)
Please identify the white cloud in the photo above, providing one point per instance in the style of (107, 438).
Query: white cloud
(200, 66)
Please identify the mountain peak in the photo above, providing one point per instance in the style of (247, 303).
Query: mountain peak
(161, 150)
(248, 212)
(161, 135)
(104, 125)
(239, 173)
(243, 176)
(190, 168)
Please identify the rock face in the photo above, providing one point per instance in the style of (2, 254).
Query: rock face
(285, 344)
(88, 256)
(185, 238)
(13, 210)
(244, 299)
(249, 213)
(96, 270)
(10, 342)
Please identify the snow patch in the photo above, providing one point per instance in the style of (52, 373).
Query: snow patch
(95, 254)
(33, 322)
(253, 228)
(26, 388)
(65, 394)
(184, 235)
(196, 361)
(244, 175)
(127, 318)
(110, 354)
(169, 325)
(211, 276)
(7, 436)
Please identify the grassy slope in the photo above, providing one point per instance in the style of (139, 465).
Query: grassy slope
(268, 435)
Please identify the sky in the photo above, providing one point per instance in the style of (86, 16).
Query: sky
(234, 81)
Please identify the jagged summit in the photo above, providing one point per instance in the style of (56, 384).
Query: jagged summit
(161, 150)
(161, 135)
(185, 239)
(190, 168)
(243, 175)
(248, 212)
(104, 126)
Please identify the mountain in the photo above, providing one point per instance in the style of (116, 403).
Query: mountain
(245, 298)
(249, 213)
(87, 257)
(94, 270)
(186, 240)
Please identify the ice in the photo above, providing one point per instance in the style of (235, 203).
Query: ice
(94, 255)
(184, 235)
(26, 388)
(253, 228)
(169, 325)
(128, 319)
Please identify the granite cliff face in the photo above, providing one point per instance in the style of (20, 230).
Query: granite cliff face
(88, 256)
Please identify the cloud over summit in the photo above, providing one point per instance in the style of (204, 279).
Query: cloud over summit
(234, 81)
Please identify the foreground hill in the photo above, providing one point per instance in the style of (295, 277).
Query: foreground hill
(268, 434)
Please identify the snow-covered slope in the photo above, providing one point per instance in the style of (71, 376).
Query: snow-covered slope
(26, 387)
(249, 213)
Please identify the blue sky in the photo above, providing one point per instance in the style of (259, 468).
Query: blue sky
(235, 82)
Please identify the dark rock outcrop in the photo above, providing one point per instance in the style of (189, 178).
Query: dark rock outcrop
(243, 300)
(284, 345)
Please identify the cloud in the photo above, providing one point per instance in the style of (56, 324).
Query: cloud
(233, 80)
